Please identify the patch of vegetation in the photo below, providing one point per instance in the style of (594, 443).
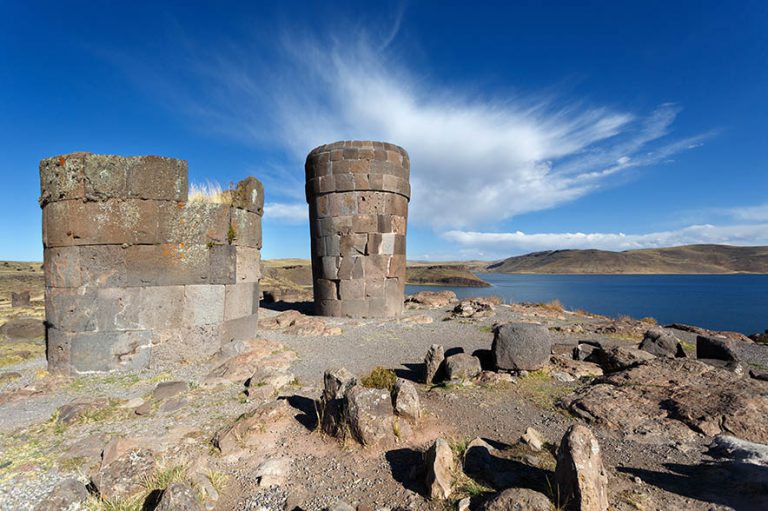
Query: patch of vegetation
(17, 352)
(541, 390)
(160, 479)
(486, 329)
(117, 379)
(649, 319)
(231, 234)
(553, 305)
(379, 378)
(688, 347)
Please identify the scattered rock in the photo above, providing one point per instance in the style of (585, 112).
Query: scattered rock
(173, 404)
(420, 319)
(580, 476)
(518, 499)
(23, 329)
(433, 299)
(440, 465)
(132, 403)
(562, 377)
(576, 368)
(405, 400)
(584, 349)
(241, 359)
(169, 389)
(761, 338)
(462, 366)
(66, 495)
(248, 429)
(341, 506)
(369, 414)
(20, 299)
(713, 348)
(336, 383)
(662, 343)
(73, 411)
(293, 322)
(521, 346)
(474, 308)
(273, 472)
(734, 336)
(179, 497)
(533, 439)
(433, 361)
(619, 358)
(124, 476)
(143, 409)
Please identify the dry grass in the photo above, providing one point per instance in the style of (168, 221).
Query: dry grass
(210, 192)
(554, 306)
(379, 378)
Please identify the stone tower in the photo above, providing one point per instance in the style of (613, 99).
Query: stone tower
(358, 195)
(135, 274)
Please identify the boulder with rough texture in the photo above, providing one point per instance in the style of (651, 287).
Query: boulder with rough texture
(249, 428)
(79, 408)
(521, 346)
(661, 343)
(462, 366)
(369, 414)
(66, 495)
(580, 477)
(619, 358)
(433, 361)
(475, 308)
(273, 471)
(735, 449)
(670, 399)
(584, 349)
(405, 400)
(714, 348)
(124, 476)
(20, 299)
(168, 389)
(518, 499)
(336, 383)
(440, 466)
(179, 497)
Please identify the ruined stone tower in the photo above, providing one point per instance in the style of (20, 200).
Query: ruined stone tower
(358, 195)
(137, 275)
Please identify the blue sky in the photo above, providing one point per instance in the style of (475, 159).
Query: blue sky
(530, 125)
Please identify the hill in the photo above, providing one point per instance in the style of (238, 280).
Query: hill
(689, 259)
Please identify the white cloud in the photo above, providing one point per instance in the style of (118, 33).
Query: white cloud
(750, 213)
(286, 213)
(505, 244)
(476, 160)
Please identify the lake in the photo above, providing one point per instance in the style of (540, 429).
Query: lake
(718, 302)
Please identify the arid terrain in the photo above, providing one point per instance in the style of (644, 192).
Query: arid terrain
(262, 447)
(690, 259)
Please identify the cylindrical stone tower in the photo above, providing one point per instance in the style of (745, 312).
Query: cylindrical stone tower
(137, 275)
(358, 195)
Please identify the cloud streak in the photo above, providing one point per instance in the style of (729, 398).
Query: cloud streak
(475, 160)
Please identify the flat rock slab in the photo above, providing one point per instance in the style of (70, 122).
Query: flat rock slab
(23, 329)
(169, 389)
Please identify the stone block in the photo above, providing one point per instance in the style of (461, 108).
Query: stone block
(397, 205)
(361, 182)
(344, 183)
(328, 307)
(397, 267)
(374, 288)
(399, 225)
(332, 245)
(374, 243)
(203, 304)
(322, 206)
(247, 264)
(106, 177)
(327, 289)
(62, 266)
(330, 268)
(62, 178)
(102, 266)
(326, 184)
(239, 300)
(344, 204)
(222, 264)
(109, 351)
(376, 267)
(157, 178)
(111, 222)
(167, 264)
(400, 245)
(364, 223)
(249, 195)
(239, 329)
(247, 228)
(352, 289)
(193, 222)
(376, 181)
(394, 292)
(353, 244)
(384, 223)
(387, 246)
(351, 267)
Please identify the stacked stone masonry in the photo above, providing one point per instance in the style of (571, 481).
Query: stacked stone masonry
(135, 274)
(358, 195)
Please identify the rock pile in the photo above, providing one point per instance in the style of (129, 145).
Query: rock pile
(430, 299)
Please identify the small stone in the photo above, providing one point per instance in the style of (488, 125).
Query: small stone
(143, 409)
(132, 403)
(172, 405)
(518, 499)
(406, 400)
(179, 497)
(440, 466)
(462, 366)
(533, 439)
(273, 472)
(432, 362)
(662, 343)
(562, 377)
(463, 504)
(341, 506)
(169, 389)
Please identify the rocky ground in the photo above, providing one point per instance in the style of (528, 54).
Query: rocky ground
(199, 433)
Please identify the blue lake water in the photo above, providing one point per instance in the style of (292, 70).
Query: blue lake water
(718, 302)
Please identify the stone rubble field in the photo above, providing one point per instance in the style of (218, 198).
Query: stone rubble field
(457, 405)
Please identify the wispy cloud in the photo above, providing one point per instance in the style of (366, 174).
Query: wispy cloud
(290, 213)
(476, 160)
(504, 244)
(749, 213)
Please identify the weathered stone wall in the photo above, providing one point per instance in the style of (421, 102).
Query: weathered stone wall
(136, 275)
(358, 195)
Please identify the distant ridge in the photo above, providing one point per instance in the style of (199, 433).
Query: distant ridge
(688, 259)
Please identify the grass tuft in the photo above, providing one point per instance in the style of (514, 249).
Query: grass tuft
(210, 192)
(379, 378)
